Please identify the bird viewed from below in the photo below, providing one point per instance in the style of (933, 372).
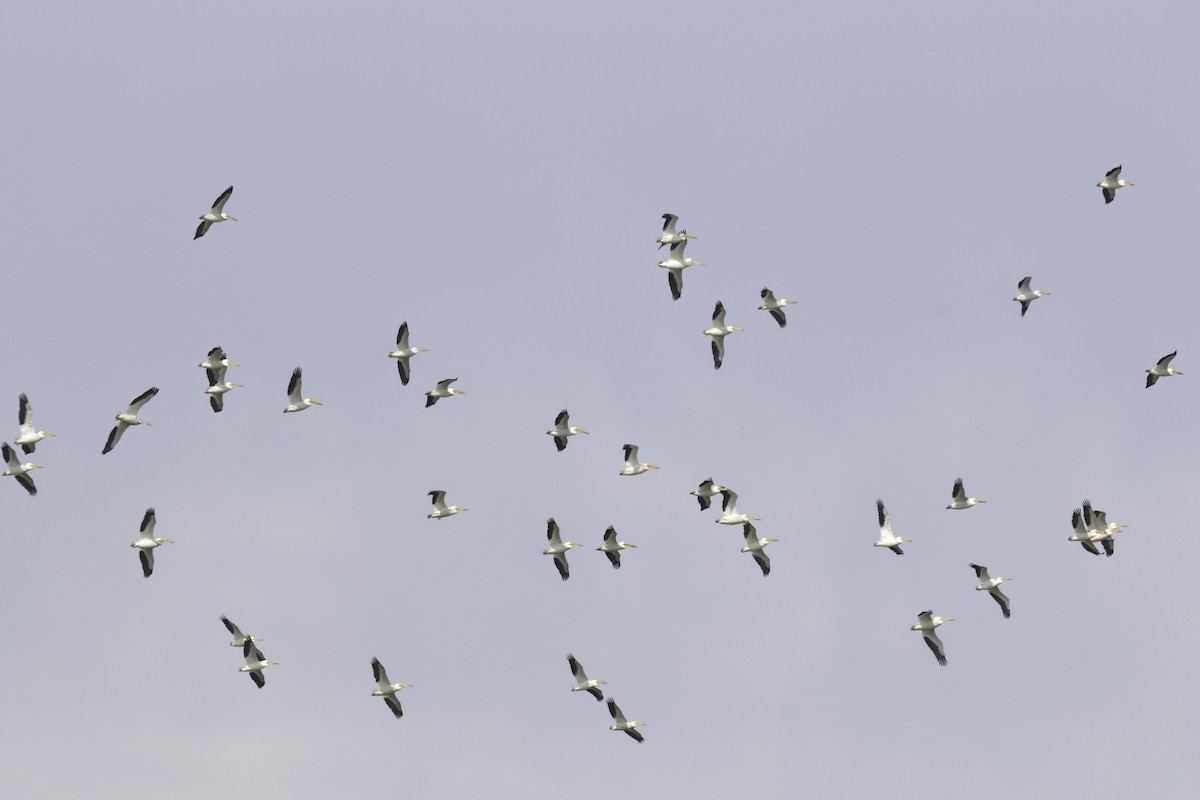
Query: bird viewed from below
(669, 236)
(562, 429)
(215, 215)
(440, 509)
(387, 690)
(775, 306)
(622, 724)
(255, 663)
(296, 399)
(729, 513)
(1082, 534)
(755, 545)
(706, 491)
(217, 387)
(129, 417)
(612, 548)
(18, 470)
(675, 264)
(926, 623)
(718, 331)
(582, 683)
(29, 436)
(403, 352)
(558, 548)
(632, 465)
(1025, 295)
(1112, 181)
(146, 542)
(992, 586)
(239, 638)
(959, 499)
(443, 389)
(217, 359)
(886, 537)
(1161, 370)
(1099, 529)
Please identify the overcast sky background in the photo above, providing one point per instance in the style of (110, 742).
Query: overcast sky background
(494, 174)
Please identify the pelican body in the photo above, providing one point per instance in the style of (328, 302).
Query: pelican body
(387, 690)
(729, 513)
(443, 389)
(558, 548)
(755, 545)
(669, 236)
(926, 623)
(675, 264)
(632, 465)
(992, 586)
(582, 683)
(886, 537)
(215, 214)
(440, 509)
(29, 436)
(296, 399)
(217, 387)
(612, 547)
(403, 352)
(1025, 295)
(1112, 181)
(239, 638)
(775, 307)
(255, 663)
(18, 470)
(718, 331)
(959, 499)
(562, 429)
(706, 491)
(146, 542)
(1162, 369)
(129, 417)
(622, 724)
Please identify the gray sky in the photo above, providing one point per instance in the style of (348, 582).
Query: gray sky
(494, 174)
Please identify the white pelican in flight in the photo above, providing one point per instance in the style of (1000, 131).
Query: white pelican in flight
(387, 690)
(18, 470)
(562, 429)
(217, 387)
(1099, 528)
(718, 331)
(675, 265)
(1082, 534)
(1025, 295)
(886, 537)
(1161, 370)
(255, 663)
(217, 214)
(146, 542)
(622, 724)
(926, 623)
(296, 399)
(992, 586)
(239, 638)
(440, 509)
(217, 359)
(129, 417)
(706, 491)
(775, 306)
(1112, 181)
(959, 499)
(558, 548)
(582, 684)
(755, 545)
(612, 548)
(729, 513)
(403, 352)
(632, 465)
(669, 236)
(29, 436)
(443, 389)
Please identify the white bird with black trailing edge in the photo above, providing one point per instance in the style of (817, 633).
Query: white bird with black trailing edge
(612, 547)
(146, 542)
(296, 399)
(1082, 534)
(443, 389)
(1025, 295)
(622, 724)
(1161, 370)
(255, 663)
(215, 214)
(718, 331)
(18, 470)
(632, 465)
(675, 264)
(669, 236)
(926, 623)
(129, 417)
(387, 690)
(729, 513)
(562, 429)
(1112, 181)
(992, 586)
(239, 638)
(403, 352)
(582, 683)
(29, 436)
(440, 509)
(558, 548)
(706, 491)
(886, 537)
(217, 359)
(775, 306)
(1099, 529)
(217, 387)
(959, 499)
(755, 545)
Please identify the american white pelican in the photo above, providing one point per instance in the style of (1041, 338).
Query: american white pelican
(440, 509)
(387, 690)
(1082, 534)
(959, 499)
(622, 724)
(775, 306)
(255, 663)
(558, 548)
(442, 389)
(29, 436)
(706, 491)
(926, 623)
(18, 470)
(296, 399)
(582, 684)
(1111, 183)
(718, 331)
(217, 387)
(403, 352)
(612, 548)
(886, 537)
(146, 542)
(239, 638)
(217, 214)
(632, 465)
(1161, 370)
(755, 545)
(562, 429)
(1099, 528)
(992, 586)
(675, 265)
(1025, 295)
(129, 417)
(217, 359)
(729, 513)
(669, 236)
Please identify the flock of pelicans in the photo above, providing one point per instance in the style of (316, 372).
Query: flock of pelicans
(1090, 526)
